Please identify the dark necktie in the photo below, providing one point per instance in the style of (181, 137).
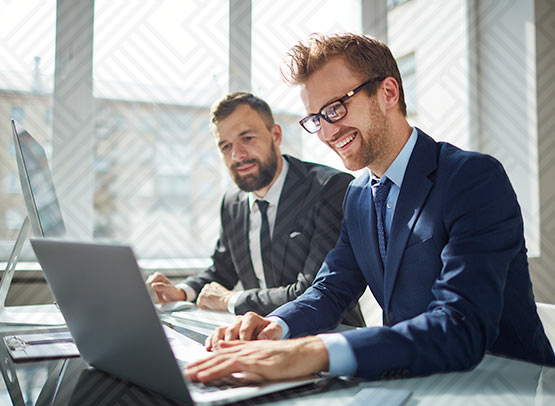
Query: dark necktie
(380, 192)
(265, 241)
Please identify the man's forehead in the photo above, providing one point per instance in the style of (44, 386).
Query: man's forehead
(333, 80)
(242, 120)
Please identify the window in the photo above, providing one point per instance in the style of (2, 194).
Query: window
(457, 86)
(275, 29)
(27, 36)
(407, 68)
(393, 3)
(158, 66)
(157, 69)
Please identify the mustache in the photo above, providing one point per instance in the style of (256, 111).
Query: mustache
(244, 162)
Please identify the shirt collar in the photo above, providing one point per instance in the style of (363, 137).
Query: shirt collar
(273, 194)
(396, 171)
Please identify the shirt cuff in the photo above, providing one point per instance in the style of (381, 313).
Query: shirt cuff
(341, 355)
(231, 303)
(190, 294)
(283, 324)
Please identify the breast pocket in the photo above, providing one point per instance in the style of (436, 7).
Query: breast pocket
(421, 253)
(297, 246)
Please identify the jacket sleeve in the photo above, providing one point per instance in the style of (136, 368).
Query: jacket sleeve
(323, 304)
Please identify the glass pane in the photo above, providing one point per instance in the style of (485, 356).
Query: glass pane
(276, 27)
(27, 44)
(407, 68)
(158, 66)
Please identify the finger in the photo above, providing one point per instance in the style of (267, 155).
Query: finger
(272, 331)
(232, 331)
(194, 367)
(151, 278)
(156, 277)
(159, 294)
(249, 376)
(208, 342)
(251, 324)
(214, 368)
(212, 341)
(203, 302)
(240, 359)
(163, 289)
(230, 344)
(206, 288)
(216, 286)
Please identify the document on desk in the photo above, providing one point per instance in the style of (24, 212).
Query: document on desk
(41, 346)
(208, 318)
(185, 348)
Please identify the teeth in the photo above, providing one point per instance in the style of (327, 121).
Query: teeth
(345, 141)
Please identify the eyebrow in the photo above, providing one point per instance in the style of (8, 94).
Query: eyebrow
(326, 103)
(241, 134)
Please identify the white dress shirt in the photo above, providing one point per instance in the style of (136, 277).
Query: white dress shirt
(255, 222)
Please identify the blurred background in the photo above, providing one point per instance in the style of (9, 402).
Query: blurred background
(118, 92)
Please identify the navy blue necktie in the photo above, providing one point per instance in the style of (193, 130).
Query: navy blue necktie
(380, 191)
(265, 241)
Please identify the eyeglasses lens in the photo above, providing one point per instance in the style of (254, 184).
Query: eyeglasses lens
(335, 112)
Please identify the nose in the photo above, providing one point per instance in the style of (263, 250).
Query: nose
(238, 153)
(327, 130)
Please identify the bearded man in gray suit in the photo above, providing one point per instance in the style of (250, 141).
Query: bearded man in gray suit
(277, 226)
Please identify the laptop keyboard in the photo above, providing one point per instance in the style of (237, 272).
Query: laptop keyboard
(224, 383)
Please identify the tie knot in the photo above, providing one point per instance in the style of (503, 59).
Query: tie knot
(381, 185)
(262, 206)
(378, 183)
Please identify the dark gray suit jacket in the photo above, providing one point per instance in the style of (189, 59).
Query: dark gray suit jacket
(306, 228)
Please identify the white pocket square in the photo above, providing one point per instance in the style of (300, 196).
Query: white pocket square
(294, 234)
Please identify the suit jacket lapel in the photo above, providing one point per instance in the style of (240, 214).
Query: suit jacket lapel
(414, 191)
(240, 237)
(291, 199)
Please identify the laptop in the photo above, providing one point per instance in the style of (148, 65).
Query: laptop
(101, 293)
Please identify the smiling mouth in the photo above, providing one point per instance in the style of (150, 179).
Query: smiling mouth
(245, 166)
(345, 142)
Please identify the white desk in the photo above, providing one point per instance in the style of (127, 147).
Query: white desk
(495, 381)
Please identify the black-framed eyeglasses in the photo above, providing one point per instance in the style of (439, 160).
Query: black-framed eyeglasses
(333, 111)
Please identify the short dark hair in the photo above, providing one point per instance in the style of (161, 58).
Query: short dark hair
(229, 103)
(364, 54)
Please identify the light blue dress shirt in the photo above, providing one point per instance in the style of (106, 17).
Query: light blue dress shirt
(341, 356)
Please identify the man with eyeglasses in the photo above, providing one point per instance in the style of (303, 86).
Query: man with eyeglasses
(276, 227)
(435, 232)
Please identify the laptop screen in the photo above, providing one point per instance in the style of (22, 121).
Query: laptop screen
(37, 185)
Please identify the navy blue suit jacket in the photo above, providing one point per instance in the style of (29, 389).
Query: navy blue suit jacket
(456, 282)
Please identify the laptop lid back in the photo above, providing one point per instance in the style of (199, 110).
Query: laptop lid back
(111, 317)
(37, 185)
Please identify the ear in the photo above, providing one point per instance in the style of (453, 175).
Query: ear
(389, 90)
(276, 134)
